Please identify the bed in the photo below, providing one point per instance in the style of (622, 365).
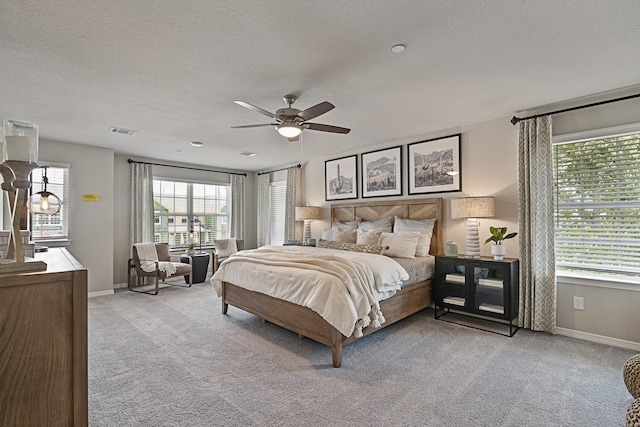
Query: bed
(308, 323)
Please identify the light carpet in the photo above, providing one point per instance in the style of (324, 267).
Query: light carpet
(175, 360)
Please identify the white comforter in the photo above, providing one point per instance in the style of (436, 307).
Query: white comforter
(343, 287)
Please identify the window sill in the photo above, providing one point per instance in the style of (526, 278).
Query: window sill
(53, 243)
(599, 282)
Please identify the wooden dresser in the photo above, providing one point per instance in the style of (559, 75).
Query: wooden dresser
(43, 344)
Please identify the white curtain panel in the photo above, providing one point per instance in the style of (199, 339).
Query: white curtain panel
(141, 223)
(537, 306)
(293, 197)
(264, 208)
(237, 206)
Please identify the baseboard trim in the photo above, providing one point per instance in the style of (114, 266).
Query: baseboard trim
(100, 293)
(600, 339)
(120, 285)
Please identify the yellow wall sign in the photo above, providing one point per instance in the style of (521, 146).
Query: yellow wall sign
(90, 197)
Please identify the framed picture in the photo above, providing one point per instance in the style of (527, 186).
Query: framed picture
(382, 172)
(340, 177)
(434, 165)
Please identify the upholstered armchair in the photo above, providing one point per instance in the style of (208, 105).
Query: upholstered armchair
(223, 249)
(160, 266)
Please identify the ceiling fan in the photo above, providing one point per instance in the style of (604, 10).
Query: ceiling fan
(290, 121)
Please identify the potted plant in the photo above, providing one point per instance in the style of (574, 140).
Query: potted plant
(191, 248)
(498, 235)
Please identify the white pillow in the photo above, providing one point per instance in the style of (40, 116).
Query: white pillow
(401, 245)
(327, 234)
(347, 225)
(345, 236)
(424, 226)
(225, 247)
(369, 237)
(379, 223)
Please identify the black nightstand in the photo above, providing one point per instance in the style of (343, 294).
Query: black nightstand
(199, 266)
(478, 286)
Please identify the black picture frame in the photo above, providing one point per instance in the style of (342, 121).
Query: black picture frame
(381, 172)
(434, 165)
(341, 178)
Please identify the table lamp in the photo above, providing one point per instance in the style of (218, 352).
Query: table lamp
(472, 208)
(307, 214)
(19, 156)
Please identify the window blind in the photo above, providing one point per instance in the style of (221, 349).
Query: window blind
(597, 191)
(181, 208)
(277, 196)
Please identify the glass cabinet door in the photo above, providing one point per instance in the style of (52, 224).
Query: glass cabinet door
(454, 290)
(490, 283)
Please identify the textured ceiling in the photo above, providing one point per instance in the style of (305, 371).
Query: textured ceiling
(171, 70)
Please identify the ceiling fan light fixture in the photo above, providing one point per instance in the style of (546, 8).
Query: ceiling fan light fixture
(289, 130)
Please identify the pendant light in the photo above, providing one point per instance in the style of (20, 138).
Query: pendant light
(44, 202)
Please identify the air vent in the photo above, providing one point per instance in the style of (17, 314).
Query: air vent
(248, 154)
(122, 131)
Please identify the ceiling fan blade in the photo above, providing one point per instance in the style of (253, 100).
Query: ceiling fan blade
(316, 110)
(325, 128)
(254, 108)
(255, 126)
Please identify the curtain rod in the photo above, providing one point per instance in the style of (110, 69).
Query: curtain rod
(185, 167)
(278, 170)
(515, 119)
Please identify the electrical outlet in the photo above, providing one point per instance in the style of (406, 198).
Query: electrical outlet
(578, 303)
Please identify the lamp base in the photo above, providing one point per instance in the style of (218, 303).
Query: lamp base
(472, 244)
(306, 235)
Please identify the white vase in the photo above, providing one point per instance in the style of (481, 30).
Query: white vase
(498, 251)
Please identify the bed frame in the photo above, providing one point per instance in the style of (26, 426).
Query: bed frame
(306, 322)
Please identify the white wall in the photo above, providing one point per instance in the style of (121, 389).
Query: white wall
(489, 168)
(91, 223)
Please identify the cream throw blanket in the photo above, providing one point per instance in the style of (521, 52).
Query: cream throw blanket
(343, 287)
(149, 257)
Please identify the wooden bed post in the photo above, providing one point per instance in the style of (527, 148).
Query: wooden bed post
(336, 348)
(225, 306)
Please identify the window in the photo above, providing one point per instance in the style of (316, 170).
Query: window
(597, 204)
(183, 207)
(277, 202)
(48, 228)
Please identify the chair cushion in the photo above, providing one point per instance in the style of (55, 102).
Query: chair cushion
(163, 251)
(182, 269)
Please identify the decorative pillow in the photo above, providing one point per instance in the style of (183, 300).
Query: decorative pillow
(327, 234)
(401, 245)
(347, 236)
(424, 226)
(379, 223)
(369, 237)
(347, 225)
(352, 247)
(225, 247)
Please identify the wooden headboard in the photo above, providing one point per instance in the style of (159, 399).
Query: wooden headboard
(412, 209)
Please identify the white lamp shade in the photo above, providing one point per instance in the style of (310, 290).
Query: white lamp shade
(289, 130)
(307, 212)
(473, 207)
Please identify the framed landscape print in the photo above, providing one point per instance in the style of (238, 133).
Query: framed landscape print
(340, 177)
(434, 165)
(382, 172)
